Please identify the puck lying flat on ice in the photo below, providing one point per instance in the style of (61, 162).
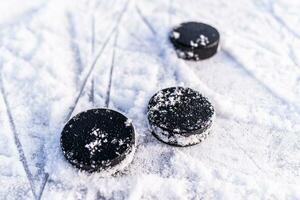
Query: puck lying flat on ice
(180, 116)
(99, 140)
(194, 40)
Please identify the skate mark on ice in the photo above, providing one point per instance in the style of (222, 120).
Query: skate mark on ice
(106, 41)
(29, 56)
(260, 82)
(247, 155)
(18, 143)
(145, 20)
(93, 34)
(92, 91)
(226, 53)
(73, 44)
(170, 12)
(162, 51)
(45, 180)
(280, 21)
(108, 91)
(72, 108)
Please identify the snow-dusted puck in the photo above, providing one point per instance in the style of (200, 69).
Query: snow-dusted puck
(194, 40)
(99, 140)
(180, 116)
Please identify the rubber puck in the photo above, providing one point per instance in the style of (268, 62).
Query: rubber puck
(98, 140)
(194, 40)
(180, 116)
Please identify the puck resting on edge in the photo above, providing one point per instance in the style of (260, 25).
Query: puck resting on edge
(194, 40)
(180, 116)
(99, 140)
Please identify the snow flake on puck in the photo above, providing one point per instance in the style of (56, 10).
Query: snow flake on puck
(195, 41)
(180, 116)
(176, 35)
(99, 140)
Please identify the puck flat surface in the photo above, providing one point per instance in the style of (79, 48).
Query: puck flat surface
(98, 140)
(180, 116)
(194, 40)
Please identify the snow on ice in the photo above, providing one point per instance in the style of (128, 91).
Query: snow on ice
(52, 52)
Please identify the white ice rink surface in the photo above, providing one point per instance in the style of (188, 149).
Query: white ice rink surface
(55, 61)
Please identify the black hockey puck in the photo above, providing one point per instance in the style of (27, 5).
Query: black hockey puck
(194, 40)
(98, 140)
(180, 116)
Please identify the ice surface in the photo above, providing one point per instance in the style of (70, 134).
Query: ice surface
(51, 53)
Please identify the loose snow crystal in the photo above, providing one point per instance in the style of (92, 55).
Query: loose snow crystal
(176, 35)
(95, 144)
(203, 40)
